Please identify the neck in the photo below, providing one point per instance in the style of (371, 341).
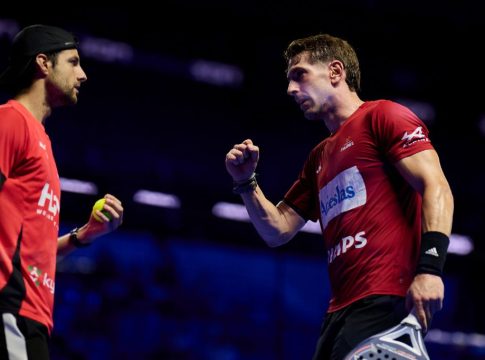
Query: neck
(341, 111)
(35, 101)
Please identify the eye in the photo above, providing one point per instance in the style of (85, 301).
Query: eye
(298, 74)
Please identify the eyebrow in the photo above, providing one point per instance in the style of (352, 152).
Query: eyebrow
(74, 57)
(292, 70)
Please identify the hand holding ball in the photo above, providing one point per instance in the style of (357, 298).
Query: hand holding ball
(99, 205)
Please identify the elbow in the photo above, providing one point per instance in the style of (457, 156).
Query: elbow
(277, 239)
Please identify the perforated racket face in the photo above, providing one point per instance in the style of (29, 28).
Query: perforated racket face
(381, 351)
(402, 342)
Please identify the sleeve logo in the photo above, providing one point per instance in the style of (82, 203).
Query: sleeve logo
(416, 135)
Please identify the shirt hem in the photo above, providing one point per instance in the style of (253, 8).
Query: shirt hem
(332, 308)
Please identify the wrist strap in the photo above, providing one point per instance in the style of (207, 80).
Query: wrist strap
(434, 246)
(75, 241)
(245, 186)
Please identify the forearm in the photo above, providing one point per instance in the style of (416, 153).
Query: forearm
(275, 225)
(65, 245)
(436, 227)
(437, 208)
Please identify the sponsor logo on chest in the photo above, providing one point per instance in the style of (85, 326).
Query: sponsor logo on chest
(348, 143)
(41, 278)
(344, 192)
(358, 241)
(48, 204)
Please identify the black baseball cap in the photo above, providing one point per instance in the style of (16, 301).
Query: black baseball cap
(29, 42)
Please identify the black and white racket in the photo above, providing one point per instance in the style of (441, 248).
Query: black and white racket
(401, 342)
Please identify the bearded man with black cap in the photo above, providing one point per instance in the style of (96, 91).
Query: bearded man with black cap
(43, 73)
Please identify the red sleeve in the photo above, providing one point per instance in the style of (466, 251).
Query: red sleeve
(303, 194)
(13, 140)
(399, 131)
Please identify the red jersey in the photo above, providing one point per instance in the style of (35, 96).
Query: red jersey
(369, 215)
(29, 215)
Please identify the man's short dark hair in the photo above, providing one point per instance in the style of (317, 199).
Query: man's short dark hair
(324, 48)
(29, 42)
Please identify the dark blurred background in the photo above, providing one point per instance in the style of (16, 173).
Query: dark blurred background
(171, 87)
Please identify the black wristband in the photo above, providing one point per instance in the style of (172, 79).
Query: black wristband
(75, 241)
(245, 186)
(434, 246)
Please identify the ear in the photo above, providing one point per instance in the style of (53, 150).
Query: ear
(43, 64)
(336, 71)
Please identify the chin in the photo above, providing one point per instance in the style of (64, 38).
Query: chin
(71, 100)
(311, 116)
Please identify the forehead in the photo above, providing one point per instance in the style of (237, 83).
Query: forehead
(303, 61)
(69, 53)
(299, 60)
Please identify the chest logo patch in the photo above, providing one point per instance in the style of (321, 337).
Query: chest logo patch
(344, 192)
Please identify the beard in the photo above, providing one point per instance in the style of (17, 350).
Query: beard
(60, 94)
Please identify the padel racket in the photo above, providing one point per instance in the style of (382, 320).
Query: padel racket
(401, 342)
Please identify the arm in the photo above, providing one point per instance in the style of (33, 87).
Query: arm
(94, 228)
(275, 224)
(423, 172)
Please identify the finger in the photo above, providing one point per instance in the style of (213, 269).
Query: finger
(115, 203)
(428, 312)
(248, 142)
(421, 314)
(102, 216)
(240, 147)
(253, 152)
(237, 157)
(435, 306)
(439, 305)
(232, 160)
(230, 156)
(115, 213)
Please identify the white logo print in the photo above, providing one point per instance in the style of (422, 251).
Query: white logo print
(348, 143)
(344, 192)
(42, 145)
(415, 136)
(319, 168)
(358, 241)
(48, 204)
(432, 252)
(49, 283)
(418, 134)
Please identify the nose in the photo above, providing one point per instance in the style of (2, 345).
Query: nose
(82, 76)
(292, 88)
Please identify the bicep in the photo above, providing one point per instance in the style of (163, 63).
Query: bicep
(421, 169)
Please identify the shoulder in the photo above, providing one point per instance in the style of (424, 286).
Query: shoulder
(14, 126)
(389, 107)
(392, 114)
(11, 117)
